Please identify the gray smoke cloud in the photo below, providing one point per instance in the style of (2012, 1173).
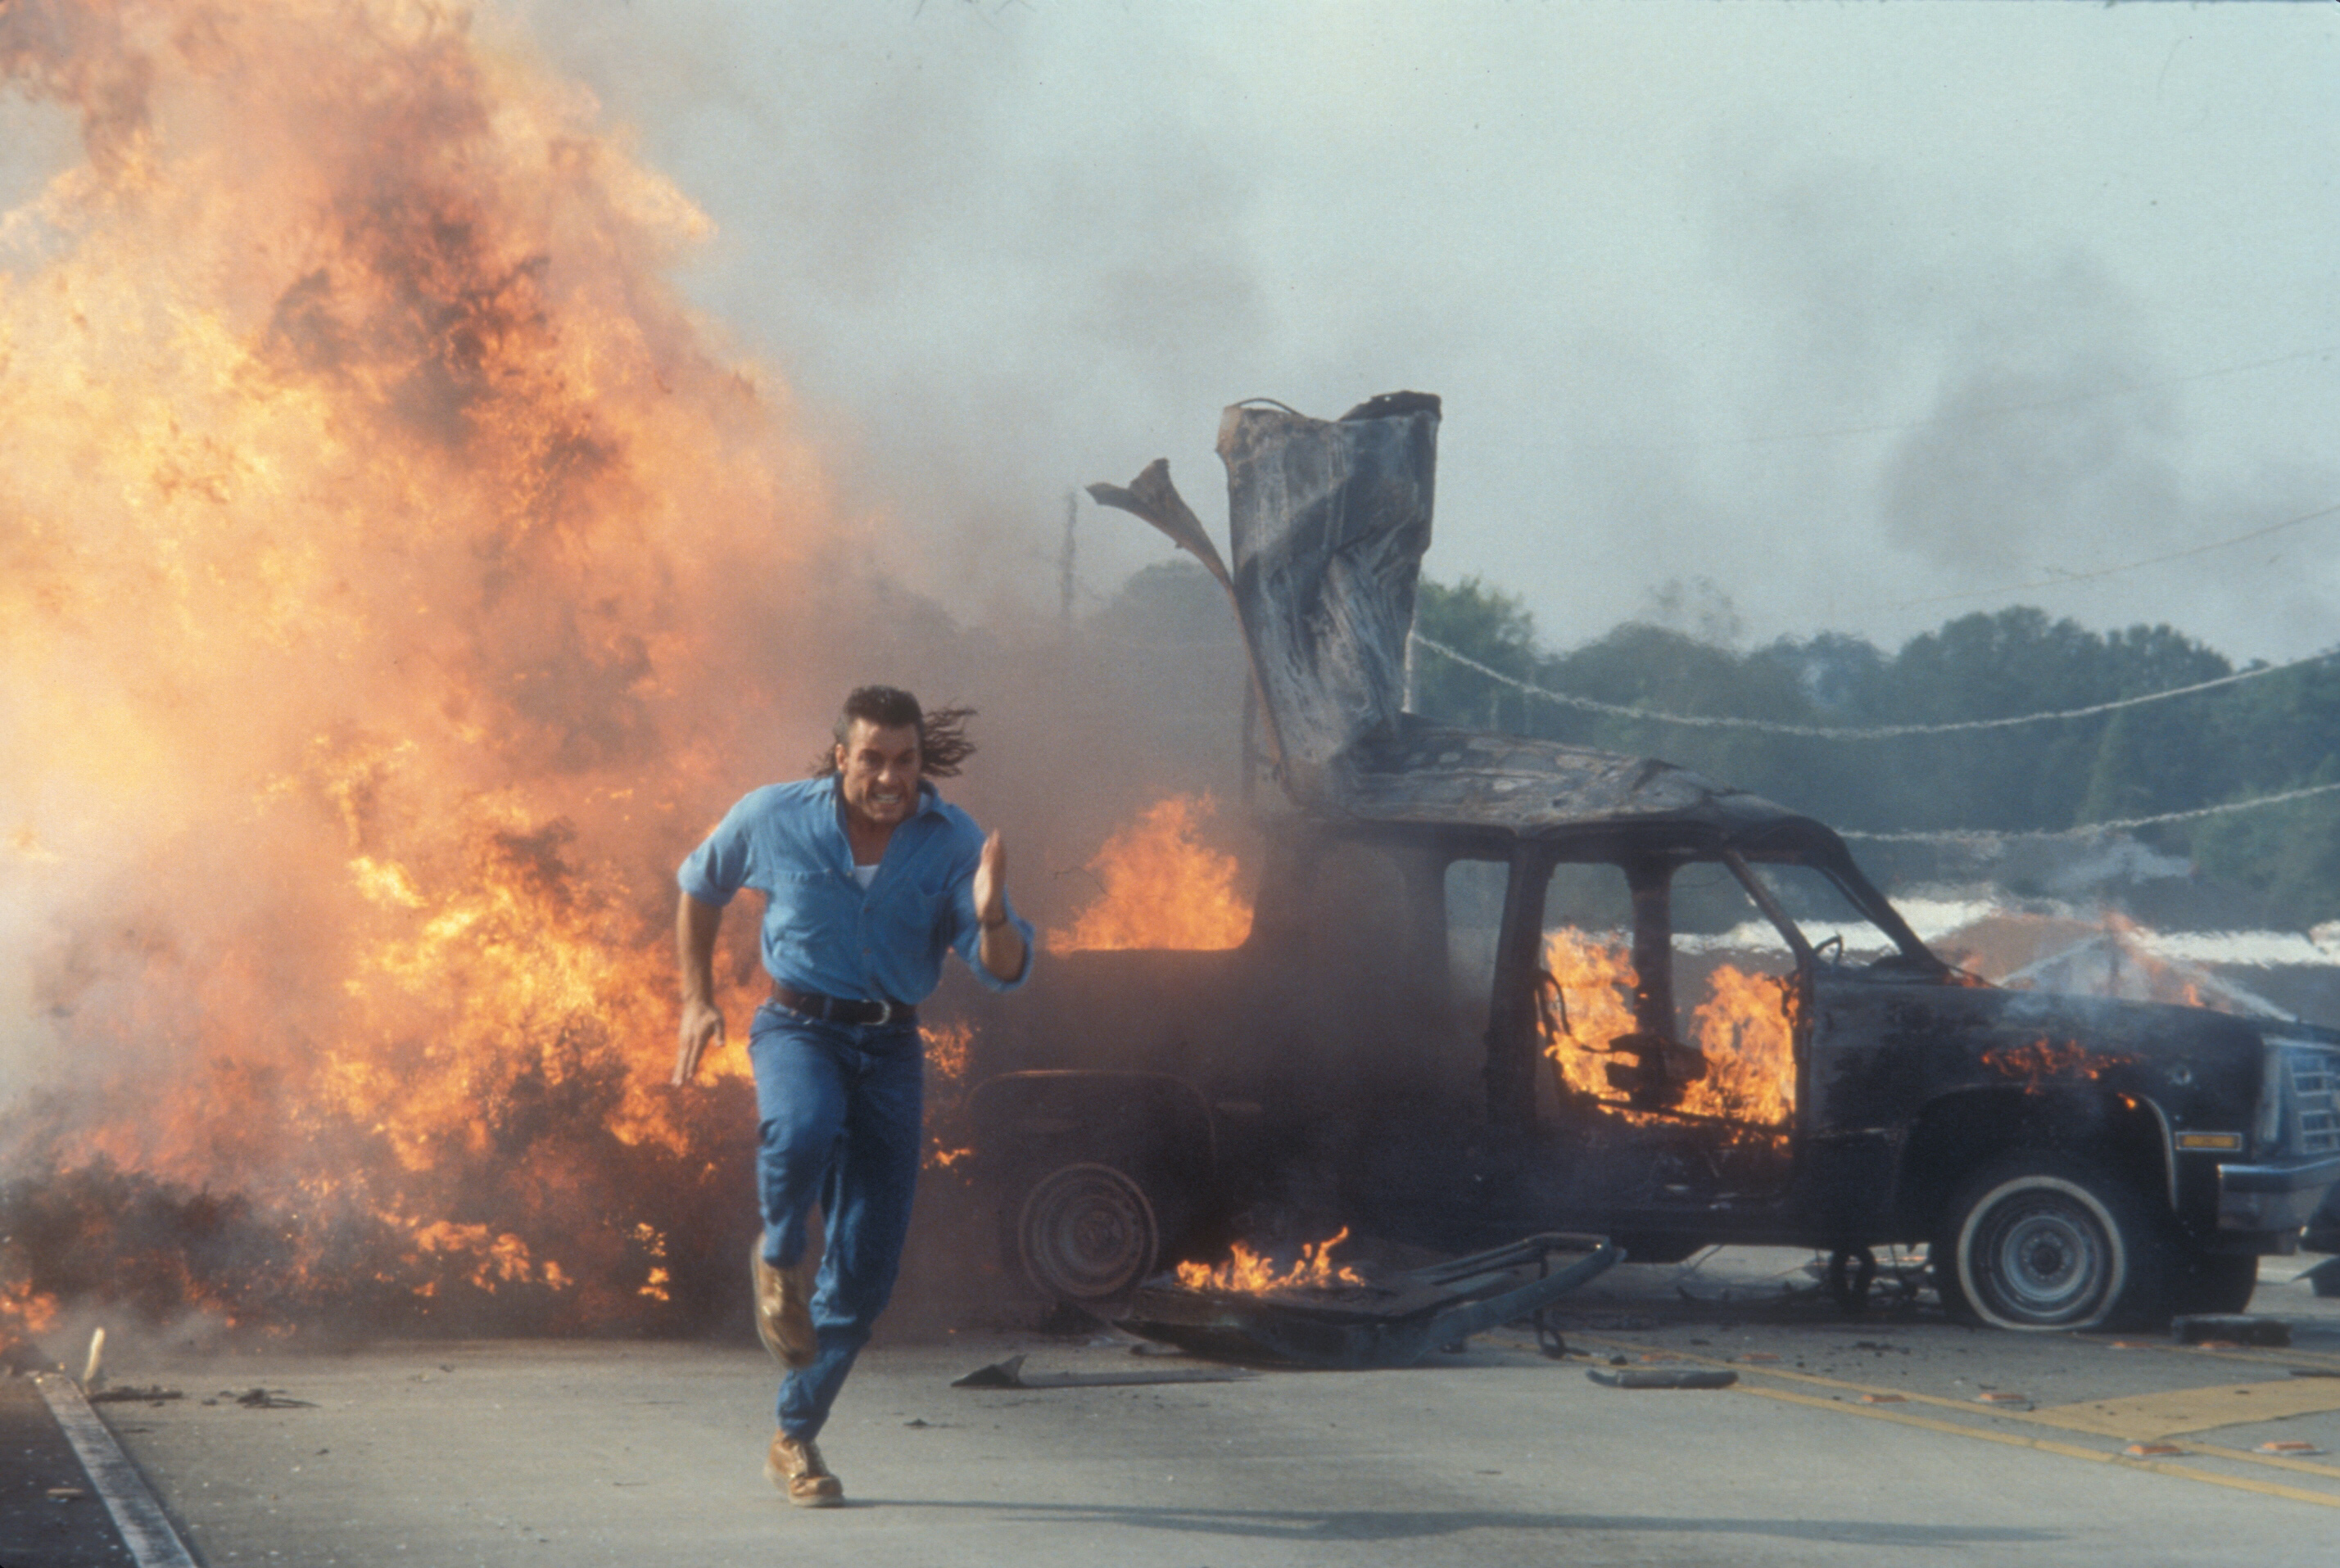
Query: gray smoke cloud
(1954, 300)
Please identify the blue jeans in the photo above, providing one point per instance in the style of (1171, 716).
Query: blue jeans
(840, 1119)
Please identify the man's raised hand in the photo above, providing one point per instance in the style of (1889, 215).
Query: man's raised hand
(991, 882)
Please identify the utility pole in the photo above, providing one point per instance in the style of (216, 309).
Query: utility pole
(1066, 558)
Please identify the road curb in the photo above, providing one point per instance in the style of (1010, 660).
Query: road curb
(145, 1528)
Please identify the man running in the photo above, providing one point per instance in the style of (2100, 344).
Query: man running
(868, 877)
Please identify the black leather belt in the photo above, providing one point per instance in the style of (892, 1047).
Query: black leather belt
(841, 1009)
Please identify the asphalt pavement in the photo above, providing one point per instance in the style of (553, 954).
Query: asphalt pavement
(1893, 1436)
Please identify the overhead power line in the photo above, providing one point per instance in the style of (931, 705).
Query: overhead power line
(1943, 835)
(2066, 580)
(1963, 416)
(2089, 830)
(1825, 732)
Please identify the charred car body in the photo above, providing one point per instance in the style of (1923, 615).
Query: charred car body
(1391, 1049)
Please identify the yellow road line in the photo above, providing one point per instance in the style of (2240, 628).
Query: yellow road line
(2324, 1359)
(2049, 1446)
(2167, 1412)
(2272, 1461)
(1965, 1407)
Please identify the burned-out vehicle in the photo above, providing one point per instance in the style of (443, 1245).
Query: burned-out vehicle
(1496, 986)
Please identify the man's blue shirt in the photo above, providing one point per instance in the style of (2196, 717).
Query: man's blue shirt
(821, 932)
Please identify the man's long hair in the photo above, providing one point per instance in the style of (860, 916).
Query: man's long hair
(943, 745)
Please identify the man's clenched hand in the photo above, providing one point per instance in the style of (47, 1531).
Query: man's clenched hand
(702, 1026)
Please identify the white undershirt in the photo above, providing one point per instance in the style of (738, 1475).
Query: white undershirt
(864, 875)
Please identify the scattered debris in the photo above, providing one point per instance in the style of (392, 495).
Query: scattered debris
(2151, 1450)
(1010, 1374)
(267, 1399)
(154, 1393)
(2224, 1329)
(1669, 1377)
(2007, 1401)
(66, 1494)
(2292, 1445)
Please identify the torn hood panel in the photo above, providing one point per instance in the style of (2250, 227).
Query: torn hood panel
(1428, 775)
(1327, 522)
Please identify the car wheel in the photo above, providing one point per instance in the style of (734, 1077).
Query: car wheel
(1087, 1233)
(2213, 1282)
(2037, 1242)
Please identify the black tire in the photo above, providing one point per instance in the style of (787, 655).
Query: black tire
(2215, 1282)
(1086, 1234)
(2037, 1242)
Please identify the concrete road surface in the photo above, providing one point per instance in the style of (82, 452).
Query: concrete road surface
(628, 1454)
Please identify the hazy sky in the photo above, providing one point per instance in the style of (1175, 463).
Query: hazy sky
(1838, 307)
(1866, 314)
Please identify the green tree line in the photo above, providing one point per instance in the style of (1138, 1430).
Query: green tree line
(2257, 738)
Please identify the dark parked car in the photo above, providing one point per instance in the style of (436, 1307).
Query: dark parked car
(1391, 1050)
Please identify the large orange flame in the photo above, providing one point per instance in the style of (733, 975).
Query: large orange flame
(1161, 887)
(1743, 1028)
(373, 514)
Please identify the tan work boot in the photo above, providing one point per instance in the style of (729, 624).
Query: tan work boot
(784, 1309)
(796, 1468)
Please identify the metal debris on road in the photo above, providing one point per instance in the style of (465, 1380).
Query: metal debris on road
(1667, 1378)
(267, 1399)
(153, 1394)
(1010, 1374)
(2229, 1328)
(1389, 1323)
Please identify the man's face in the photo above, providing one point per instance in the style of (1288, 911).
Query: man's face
(878, 772)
